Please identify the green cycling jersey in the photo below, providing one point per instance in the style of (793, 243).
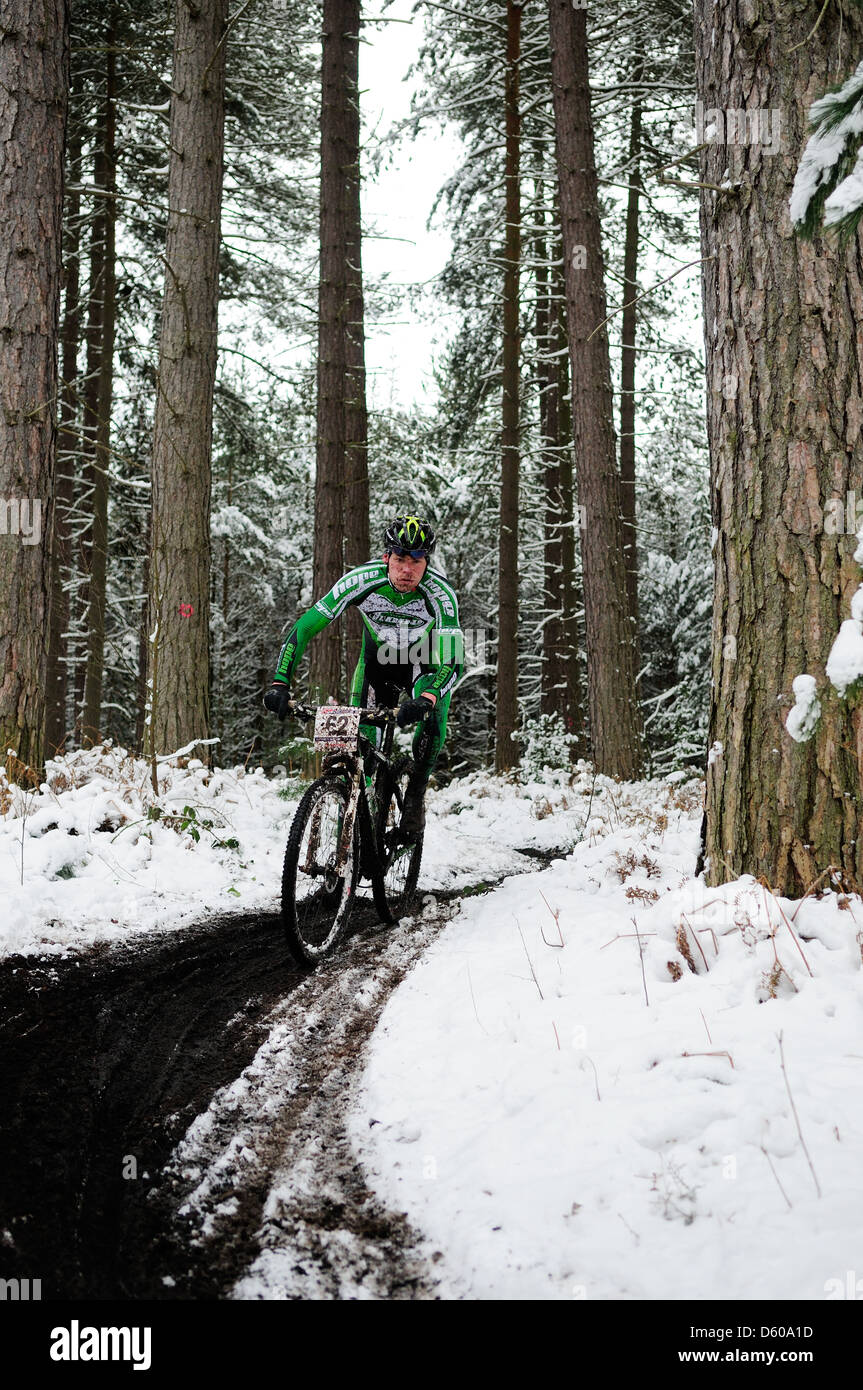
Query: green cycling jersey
(411, 639)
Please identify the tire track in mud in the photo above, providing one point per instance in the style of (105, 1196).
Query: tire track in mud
(104, 1061)
(107, 1059)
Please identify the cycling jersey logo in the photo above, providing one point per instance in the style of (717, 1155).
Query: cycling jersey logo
(350, 581)
(441, 595)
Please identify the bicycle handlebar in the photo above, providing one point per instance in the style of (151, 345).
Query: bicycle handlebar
(378, 715)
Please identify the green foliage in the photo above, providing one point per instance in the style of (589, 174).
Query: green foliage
(831, 167)
(187, 821)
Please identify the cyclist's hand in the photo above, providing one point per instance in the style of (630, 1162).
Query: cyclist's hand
(412, 711)
(278, 698)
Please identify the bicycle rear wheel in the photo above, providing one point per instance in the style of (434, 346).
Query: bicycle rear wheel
(318, 892)
(394, 886)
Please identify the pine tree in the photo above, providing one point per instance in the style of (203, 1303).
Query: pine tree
(180, 554)
(615, 726)
(34, 84)
(341, 477)
(507, 648)
(785, 415)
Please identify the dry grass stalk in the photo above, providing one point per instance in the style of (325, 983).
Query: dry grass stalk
(529, 961)
(641, 960)
(767, 889)
(776, 1176)
(627, 936)
(797, 1117)
(556, 915)
(721, 1053)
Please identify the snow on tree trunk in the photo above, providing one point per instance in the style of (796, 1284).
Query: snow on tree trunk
(785, 413)
(105, 177)
(182, 443)
(67, 442)
(506, 708)
(552, 690)
(629, 327)
(34, 82)
(573, 711)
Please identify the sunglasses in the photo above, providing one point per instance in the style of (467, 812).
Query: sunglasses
(414, 554)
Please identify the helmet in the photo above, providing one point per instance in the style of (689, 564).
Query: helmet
(410, 534)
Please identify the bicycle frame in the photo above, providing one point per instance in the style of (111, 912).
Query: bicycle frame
(352, 764)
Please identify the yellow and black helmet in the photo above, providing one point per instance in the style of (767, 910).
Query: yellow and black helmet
(408, 535)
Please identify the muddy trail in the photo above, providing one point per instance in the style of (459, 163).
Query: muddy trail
(107, 1058)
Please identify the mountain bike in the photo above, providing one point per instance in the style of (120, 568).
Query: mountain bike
(347, 827)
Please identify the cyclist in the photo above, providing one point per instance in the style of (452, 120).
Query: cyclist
(411, 641)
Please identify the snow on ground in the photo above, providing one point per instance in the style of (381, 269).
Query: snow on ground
(567, 1120)
(603, 1079)
(93, 855)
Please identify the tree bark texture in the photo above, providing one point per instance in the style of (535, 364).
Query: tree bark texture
(784, 345)
(629, 328)
(506, 709)
(615, 725)
(89, 426)
(34, 84)
(573, 704)
(105, 177)
(341, 478)
(56, 688)
(552, 677)
(182, 443)
(356, 415)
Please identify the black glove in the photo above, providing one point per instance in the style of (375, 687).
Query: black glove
(278, 698)
(412, 711)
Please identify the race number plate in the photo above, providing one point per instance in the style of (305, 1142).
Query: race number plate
(337, 728)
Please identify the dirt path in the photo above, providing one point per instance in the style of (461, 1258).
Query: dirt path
(107, 1059)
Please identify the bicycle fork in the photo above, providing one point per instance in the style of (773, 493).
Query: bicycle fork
(345, 835)
(347, 830)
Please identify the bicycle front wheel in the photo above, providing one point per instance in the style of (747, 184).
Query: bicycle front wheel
(320, 873)
(394, 886)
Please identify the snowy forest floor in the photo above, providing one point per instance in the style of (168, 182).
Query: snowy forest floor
(576, 1073)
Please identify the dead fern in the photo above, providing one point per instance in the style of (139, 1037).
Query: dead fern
(641, 895)
(629, 862)
(684, 947)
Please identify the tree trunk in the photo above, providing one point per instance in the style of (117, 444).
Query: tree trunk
(785, 414)
(356, 414)
(182, 442)
(67, 439)
(547, 380)
(89, 431)
(143, 644)
(627, 368)
(105, 177)
(614, 714)
(506, 712)
(573, 711)
(339, 305)
(34, 85)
